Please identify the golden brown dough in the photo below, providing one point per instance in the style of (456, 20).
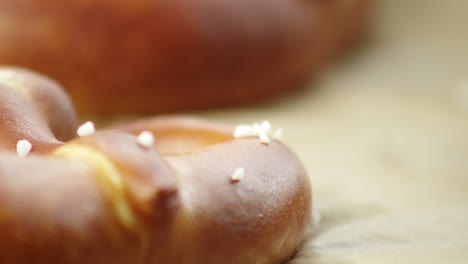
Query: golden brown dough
(108, 198)
(35, 108)
(147, 56)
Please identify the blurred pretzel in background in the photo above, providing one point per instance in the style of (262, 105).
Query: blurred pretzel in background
(145, 56)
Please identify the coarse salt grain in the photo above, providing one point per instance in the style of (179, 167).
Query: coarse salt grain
(146, 139)
(316, 216)
(264, 138)
(23, 148)
(244, 131)
(257, 128)
(238, 174)
(264, 131)
(266, 127)
(87, 129)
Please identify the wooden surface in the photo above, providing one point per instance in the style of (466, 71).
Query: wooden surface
(384, 136)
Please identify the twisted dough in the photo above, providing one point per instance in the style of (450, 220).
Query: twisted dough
(117, 56)
(105, 198)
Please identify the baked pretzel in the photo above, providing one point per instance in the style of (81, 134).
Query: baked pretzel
(197, 194)
(120, 56)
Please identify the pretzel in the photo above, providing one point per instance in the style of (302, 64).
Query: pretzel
(147, 56)
(161, 190)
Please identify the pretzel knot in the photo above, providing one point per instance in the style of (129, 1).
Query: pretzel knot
(159, 190)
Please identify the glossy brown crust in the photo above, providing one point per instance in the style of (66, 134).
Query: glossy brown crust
(53, 211)
(107, 199)
(33, 108)
(260, 219)
(156, 56)
(181, 135)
